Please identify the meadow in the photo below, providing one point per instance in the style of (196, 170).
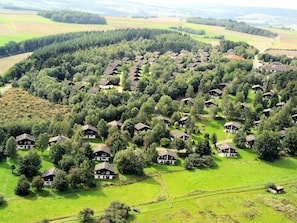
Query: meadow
(233, 192)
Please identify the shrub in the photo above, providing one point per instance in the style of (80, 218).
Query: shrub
(86, 214)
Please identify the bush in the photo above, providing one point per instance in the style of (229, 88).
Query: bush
(86, 214)
(194, 160)
(23, 186)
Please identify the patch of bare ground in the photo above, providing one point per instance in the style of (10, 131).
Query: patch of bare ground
(288, 53)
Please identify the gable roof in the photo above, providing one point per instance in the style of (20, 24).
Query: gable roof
(211, 102)
(216, 90)
(140, 126)
(115, 123)
(257, 86)
(102, 148)
(187, 100)
(250, 138)
(50, 172)
(78, 86)
(163, 152)
(225, 146)
(179, 134)
(233, 57)
(235, 124)
(93, 90)
(25, 136)
(89, 127)
(104, 165)
(58, 138)
(104, 82)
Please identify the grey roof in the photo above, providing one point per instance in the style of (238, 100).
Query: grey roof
(187, 100)
(140, 126)
(59, 139)
(102, 148)
(179, 134)
(250, 138)
(93, 90)
(225, 146)
(25, 136)
(235, 124)
(50, 172)
(115, 123)
(89, 127)
(257, 86)
(104, 82)
(104, 165)
(216, 90)
(78, 86)
(212, 102)
(164, 152)
(183, 119)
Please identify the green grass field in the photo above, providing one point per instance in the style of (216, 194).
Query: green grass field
(168, 193)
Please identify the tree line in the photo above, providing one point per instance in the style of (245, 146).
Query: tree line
(70, 16)
(232, 25)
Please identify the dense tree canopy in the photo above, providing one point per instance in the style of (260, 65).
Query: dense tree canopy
(232, 25)
(72, 16)
(267, 145)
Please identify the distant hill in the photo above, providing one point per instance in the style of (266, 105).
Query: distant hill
(255, 15)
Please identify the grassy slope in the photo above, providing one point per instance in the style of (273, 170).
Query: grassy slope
(192, 194)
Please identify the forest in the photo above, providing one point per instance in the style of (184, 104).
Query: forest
(232, 25)
(69, 16)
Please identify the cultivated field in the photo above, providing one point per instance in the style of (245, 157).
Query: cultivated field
(8, 62)
(21, 25)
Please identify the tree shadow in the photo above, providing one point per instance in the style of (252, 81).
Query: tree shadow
(284, 163)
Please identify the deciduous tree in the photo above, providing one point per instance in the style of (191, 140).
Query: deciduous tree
(267, 145)
(23, 186)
